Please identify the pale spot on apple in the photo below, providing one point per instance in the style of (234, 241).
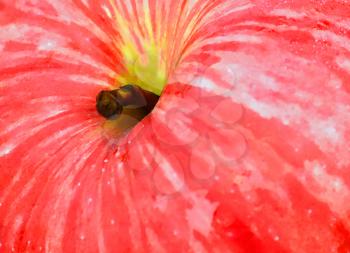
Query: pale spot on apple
(168, 177)
(205, 84)
(318, 169)
(145, 149)
(241, 37)
(343, 63)
(107, 11)
(153, 240)
(85, 2)
(267, 82)
(17, 223)
(230, 234)
(47, 45)
(337, 185)
(285, 122)
(200, 215)
(6, 149)
(86, 80)
(197, 246)
(326, 129)
(202, 166)
(248, 197)
(338, 40)
(326, 185)
(288, 13)
(335, 82)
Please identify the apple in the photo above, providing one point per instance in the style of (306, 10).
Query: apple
(246, 151)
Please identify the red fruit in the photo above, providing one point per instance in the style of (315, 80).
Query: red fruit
(247, 150)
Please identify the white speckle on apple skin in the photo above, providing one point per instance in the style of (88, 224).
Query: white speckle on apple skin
(6, 149)
(288, 13)
(47, 45)
(325, 185)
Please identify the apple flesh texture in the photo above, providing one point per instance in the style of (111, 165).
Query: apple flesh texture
(264, 112)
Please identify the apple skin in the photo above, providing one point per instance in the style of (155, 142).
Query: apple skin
(247, 150)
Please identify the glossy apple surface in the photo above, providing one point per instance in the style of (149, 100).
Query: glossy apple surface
(247, 150)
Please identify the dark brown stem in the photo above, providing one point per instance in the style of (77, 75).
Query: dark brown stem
(129, 99)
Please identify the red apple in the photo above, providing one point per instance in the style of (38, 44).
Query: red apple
(247, 150)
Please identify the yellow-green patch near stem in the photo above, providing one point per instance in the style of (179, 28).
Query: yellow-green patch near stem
(146, 70)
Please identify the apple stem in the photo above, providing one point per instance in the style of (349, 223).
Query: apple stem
(129, 99)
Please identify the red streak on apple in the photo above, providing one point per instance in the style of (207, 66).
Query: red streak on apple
(247, 150)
